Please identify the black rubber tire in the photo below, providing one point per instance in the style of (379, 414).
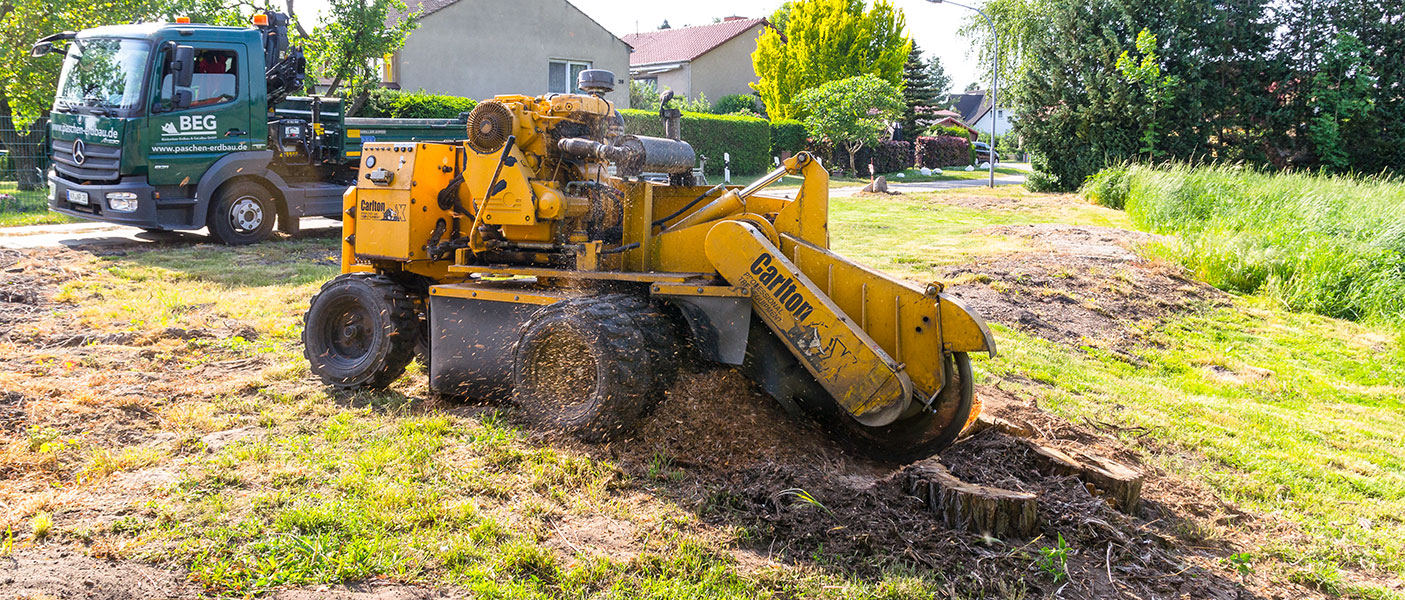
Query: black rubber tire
(359, 332)
(242, 212)
(661, 339)
(579, 367)
(914, 438)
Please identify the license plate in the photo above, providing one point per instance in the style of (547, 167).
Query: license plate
(78, 197)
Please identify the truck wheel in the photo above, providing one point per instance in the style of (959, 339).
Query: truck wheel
(579, 366)
(241, 213)
(360, 331)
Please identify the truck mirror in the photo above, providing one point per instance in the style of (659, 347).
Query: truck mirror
(45, 44)
(182, 66)
(181, 98)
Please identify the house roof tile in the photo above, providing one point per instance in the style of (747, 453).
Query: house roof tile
(684, 43)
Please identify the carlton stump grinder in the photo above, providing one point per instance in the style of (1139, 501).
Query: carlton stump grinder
(552, 259)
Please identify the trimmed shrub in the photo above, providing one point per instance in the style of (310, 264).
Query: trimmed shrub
(951, 130)
(887, 157)
(788, 136)
(891, 157)
(747, 139)
(733, 103)
(397, 104)
(944, 151)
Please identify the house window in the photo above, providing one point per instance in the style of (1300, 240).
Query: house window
(563, 75)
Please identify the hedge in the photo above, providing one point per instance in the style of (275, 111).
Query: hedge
(787, 136)
(396, 104)
(943, 151)
(891, 157)
(732, 103)
(887, 157)
(748, 139)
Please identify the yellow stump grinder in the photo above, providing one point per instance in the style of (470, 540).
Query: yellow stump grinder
(552, 259)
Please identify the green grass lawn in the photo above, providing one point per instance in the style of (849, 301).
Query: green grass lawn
(376, 485)
(909, 176)
(27, 208)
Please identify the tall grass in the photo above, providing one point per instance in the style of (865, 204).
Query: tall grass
(1325, 244)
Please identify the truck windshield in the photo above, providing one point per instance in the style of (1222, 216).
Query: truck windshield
(102, 74)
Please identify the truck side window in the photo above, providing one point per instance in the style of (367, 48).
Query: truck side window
(216, 80)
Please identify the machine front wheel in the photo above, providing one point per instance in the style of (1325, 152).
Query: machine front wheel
(578, 366)
(360, 331)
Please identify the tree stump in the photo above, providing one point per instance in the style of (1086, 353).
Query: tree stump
(1005, 426)
(878, 186)
(1119, 484)
(975, 508)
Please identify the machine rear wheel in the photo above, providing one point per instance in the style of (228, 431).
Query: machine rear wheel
(579, 367)
(360, 331)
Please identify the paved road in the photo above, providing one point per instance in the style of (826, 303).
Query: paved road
(897, 185)
(75, 235)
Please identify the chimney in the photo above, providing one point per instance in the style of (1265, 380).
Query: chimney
(732, 18)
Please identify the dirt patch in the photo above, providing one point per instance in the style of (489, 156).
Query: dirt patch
(577, 535)
(718, 419)
(715, 446)
(837, 512)
(373, 590)
(1080, 285)
(67, 574)
(28, 281)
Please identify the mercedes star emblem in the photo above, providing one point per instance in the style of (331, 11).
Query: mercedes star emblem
(78, 156)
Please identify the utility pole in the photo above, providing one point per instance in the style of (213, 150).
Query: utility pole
(994, 80)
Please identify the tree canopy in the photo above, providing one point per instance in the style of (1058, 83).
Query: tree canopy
(851, 113)
(357, 34)
(825, 41)
(1280, 83)
(925, 85)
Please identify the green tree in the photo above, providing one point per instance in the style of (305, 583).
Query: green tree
(925, 84)
(827, 40)
(1159, 89)
(850, 113)
(27, 84)
(643, 95)
(1195, 90)
(1341, 93)
(356, 34)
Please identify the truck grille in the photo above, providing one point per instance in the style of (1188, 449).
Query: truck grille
(100, 163)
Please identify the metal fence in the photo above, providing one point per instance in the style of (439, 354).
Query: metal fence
(27, 161)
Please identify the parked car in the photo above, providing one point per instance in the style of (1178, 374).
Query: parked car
(983, 152)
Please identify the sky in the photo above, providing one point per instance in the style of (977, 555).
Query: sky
(933, 26)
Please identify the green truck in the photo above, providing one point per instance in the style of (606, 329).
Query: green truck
(180, 126)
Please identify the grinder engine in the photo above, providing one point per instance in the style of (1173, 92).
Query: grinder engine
(530, 185)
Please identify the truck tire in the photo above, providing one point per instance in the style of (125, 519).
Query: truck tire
(359, 333)
(242, 212)
(579, 367)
